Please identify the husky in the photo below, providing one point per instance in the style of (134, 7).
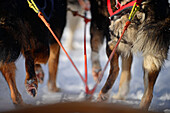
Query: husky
(73, 22)
(149, 33)
(21, 31)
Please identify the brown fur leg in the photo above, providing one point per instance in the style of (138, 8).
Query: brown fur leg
(151, 72)
(53, 66)
(8, 70)
(41, 57)
(125, 78)
(96, 43)
(114, 70)
(32, 57)
(31, 82)
(39, 73)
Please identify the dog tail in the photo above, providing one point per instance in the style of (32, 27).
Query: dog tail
(9, 47)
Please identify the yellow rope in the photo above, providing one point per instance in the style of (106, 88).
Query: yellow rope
(33, 5)
(133, 11)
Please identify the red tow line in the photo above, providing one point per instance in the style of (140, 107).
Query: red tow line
(85, 54)
(131, 4)
(86, 20)
(58, 41)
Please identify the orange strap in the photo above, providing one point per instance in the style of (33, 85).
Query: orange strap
(48, 26)
(110, 57)
(85, 56)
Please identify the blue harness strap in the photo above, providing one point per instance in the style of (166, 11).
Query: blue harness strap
(42, 9)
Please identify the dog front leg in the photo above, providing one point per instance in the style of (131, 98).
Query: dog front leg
(97, 37)
(31, 82)
(114, 70)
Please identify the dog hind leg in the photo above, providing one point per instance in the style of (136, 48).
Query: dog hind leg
(53, 67)
(58, 23)
(125, 78)
(151, 71)
(8, 71)
(96, 41)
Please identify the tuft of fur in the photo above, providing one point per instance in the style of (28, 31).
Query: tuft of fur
(153, 38)
(148, 33)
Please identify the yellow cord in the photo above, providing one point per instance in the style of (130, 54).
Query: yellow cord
(33, 5)
(133, 11)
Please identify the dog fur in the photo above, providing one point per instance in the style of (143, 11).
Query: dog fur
(99, 30)
(149, 34)
(21, 31)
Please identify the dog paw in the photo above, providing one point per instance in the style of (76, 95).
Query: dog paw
(22, 105)
(53, 87)
(96, 72)
(31, 87)
(39, 73)
(102, 97)
(118, 97)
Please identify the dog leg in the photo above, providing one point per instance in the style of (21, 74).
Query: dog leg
(114, 70)
(41, 56)
(8, 71)
(96, 68)
(151, 71)
(39, 73)
(53, 67)
(31, 82)
(96, 43)
(58, 22)
(72, 24)
(125, 78)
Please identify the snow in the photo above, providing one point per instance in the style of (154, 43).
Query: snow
(72, 87)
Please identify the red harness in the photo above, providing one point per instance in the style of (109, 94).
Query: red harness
(121, 8)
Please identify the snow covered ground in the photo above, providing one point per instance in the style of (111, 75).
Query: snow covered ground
(72, 88)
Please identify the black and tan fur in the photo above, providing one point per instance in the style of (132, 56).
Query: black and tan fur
(149, 34)
(99, 30)
(21, 31)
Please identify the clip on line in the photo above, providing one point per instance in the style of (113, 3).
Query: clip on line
(75, 13)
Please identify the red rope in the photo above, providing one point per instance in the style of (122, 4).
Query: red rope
(110, 57)
(48, 26)
(85, 54)
(86, 20)
(122, 8)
